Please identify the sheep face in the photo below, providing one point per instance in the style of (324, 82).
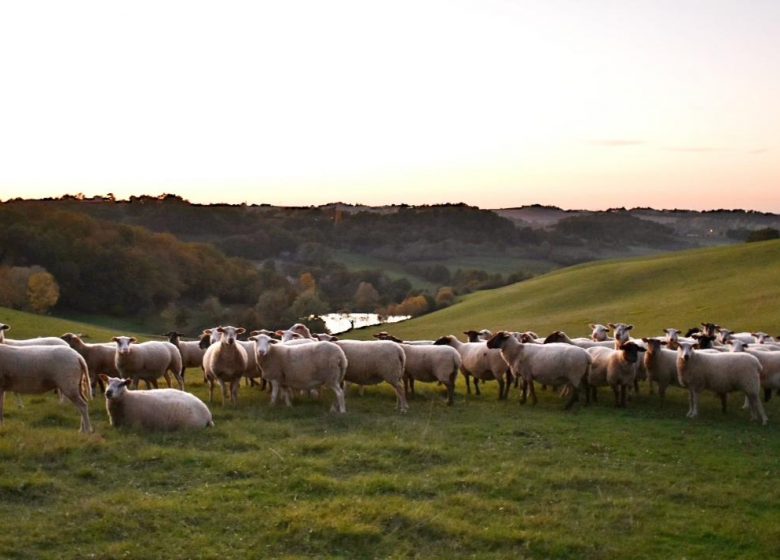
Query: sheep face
(498, 340)
(672, 335)
(115, 387)
(737, 345)
(599, 332)
(710, 329)
(301, 329)
(70, 338)
(705, 341)
(263, 343)
(685, 352)
(229, 335)
(761, 337)
(448, 340)
(631, 351)
(555, 336)
(724, 335)
(621, 331)
(123, 343)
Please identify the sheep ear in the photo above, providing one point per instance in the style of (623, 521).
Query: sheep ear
(5, 327)
(115, 339)
(252, 336)
(253, 333)
(240, 330)
(663, 342)
(207, 331)
(697, 345)
(127, 382)
(133, 339)
(220, 330)
(104, 378)
(629, 327)
(273, 341)
(645, 339)
(611, 325)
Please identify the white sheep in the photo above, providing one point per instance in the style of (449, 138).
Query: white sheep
(40, 341)
(614, 367)
(599, 333)
(371, 362)
(481, 363)
(100, 358)
(720, 373)
(560, 337)
(429, 363)
(303, 367)
(770, 365)
(226, 361)
(660, 364)
(147, 361)
(549, 364)
(40, 369)
(156, 409)
(190, 350)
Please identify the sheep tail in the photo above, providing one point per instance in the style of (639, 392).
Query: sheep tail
(85, 386)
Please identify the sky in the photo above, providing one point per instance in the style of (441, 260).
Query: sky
(498, 103)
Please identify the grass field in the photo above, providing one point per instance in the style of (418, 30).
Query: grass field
(482, 479)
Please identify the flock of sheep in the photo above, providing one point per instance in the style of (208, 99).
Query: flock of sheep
(297, 362)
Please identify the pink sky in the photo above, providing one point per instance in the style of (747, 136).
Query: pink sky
(497, 103)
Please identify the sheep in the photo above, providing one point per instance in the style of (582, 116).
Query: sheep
(480, 362)
(660, 364)
(190, 350)
(599, 333)
(226, 361)
(147, 361)
(154, 410)
(100, 358)
(384, 335)
(252, 371)
(39, 369)
(478, 336)
(549, 364)
(725, 335)
(614, 367)
(770, 365)
(560, 337)
(304, 367)
(371, 362)
(764, 338)
(40, 341)
(721, 374)
(431, 364)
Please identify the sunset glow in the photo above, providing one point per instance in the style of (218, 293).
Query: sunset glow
(497, 103)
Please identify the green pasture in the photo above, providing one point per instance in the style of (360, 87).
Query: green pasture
(482, 479)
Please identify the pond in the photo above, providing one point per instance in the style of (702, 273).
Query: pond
(342, 322)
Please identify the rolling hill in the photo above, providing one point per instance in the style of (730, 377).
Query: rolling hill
(738, 286)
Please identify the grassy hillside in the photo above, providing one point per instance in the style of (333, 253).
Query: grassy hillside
(736, 286)
(29, 325)
(481, 479)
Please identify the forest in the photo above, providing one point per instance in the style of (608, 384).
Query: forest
(165, 262)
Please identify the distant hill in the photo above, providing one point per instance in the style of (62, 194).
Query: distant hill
(736, 286)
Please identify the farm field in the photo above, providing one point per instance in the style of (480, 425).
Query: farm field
(481, 479)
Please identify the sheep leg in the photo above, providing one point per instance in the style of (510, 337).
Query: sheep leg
(411, 386)
(509, 377)
(767, 394)
(234, 385)
(274, 392)
(167, 379)
(695, 412)
(476, 386)
(575, 396)
(468, 383)
(500, 388)
(74, 396)
(587, 391)
(179, 379)
(723, 398)
(623, 395)
(224, 388)
(401, 403)
(616, 392)
(524, 392)
(662, 391)
(532, 390)
(594, 393)
(757, 409)
(339, 392)
(690, 403)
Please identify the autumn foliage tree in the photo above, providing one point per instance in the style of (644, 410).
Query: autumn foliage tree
(43, 292)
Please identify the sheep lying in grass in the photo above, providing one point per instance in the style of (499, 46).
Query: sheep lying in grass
(40, 369)
(480, 362)
(40, 341)
(661, 365)
(302, 367)
(372, 362)
(720, 373)
(147, 361)
(549, 364)
(560, 337)
(226, 362)
(156, 409)
(614, 367)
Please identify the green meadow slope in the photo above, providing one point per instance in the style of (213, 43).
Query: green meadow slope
(29, 325)
(736, 286)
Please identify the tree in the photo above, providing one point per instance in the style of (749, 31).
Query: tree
(366, 297)
(445, 296)
(43, 292)
(764, 234)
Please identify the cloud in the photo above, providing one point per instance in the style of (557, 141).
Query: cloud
(616, 143)
(692, 149)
